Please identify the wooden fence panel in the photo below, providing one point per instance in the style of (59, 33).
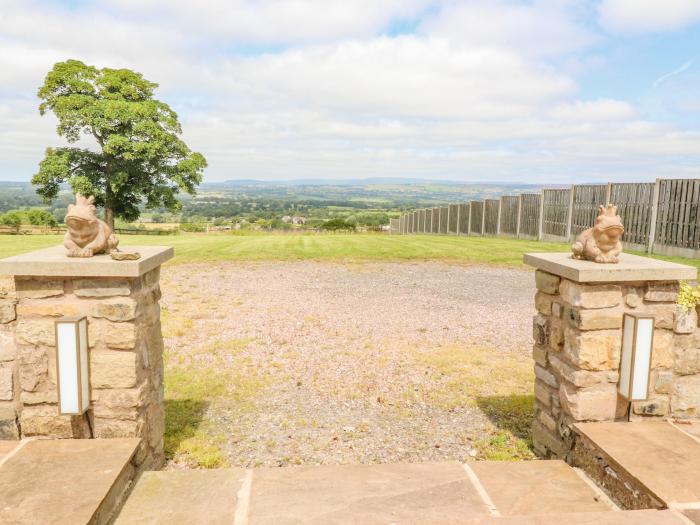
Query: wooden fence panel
(434, 220)
(509, 215)
(477, 210)
(393, 226)
(415, 221)
(464, 211)
(452, 225)
(556, 211)
(443, 219)
(491, 217)
(587, 199)
(678, 218)
(634, 202)
(530, 215)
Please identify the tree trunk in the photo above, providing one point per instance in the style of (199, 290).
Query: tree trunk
(109, 208)
(109, 216)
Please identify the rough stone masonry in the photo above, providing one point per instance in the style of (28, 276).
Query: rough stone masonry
(125, 358)
(577, 342)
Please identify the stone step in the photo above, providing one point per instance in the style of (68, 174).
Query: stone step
(435, 493)
(65, 482)
(6, 447)
(628, 517)
(643, 464)
(184, 497)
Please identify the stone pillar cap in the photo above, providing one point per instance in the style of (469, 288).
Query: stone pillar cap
(53, 262)
(630, 268)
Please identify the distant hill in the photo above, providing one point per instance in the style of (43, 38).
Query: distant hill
(370, 181)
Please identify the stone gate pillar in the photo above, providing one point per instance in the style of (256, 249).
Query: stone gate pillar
(577, 335)
(121, 302)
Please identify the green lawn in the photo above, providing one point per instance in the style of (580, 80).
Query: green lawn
(196, 247)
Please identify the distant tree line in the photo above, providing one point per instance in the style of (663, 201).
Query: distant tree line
(31, 216)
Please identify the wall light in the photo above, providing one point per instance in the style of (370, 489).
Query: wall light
(635, 362)
(72, 365)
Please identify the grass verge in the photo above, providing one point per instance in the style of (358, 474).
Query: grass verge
(217, 247)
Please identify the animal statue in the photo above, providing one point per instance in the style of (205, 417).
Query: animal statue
(601, 243)
(87, 235)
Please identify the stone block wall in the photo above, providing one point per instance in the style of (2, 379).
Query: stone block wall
(125, 349)
(577, 342)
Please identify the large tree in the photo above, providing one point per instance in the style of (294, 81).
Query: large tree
(138, 156)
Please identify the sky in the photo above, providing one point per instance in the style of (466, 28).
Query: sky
(539, 91)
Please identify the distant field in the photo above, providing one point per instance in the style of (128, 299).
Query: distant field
(197, 247)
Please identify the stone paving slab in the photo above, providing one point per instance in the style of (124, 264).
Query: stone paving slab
(630, 517)
(536, 487)
(693, 515)
(184, 497)
(364, 494)
(6, 447)
(662, 458)
(61, 482)
(692, 428)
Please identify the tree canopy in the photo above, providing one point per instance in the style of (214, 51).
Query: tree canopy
(139, 157)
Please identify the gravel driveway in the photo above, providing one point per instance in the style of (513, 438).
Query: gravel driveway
(350, 363)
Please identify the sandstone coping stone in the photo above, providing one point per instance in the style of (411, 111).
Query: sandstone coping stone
(53, 262)
(630, 268)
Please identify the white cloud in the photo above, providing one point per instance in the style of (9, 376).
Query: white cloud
(640, 16)
(603, 110)
(677, 71)
(275, 21)
(481, 90)
(406, 76)
(539, 28)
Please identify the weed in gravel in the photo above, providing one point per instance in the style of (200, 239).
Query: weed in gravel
(192, 390)
(497, 382)
(512, 418)
(461, 374)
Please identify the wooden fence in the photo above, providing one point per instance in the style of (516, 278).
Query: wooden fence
(661, 217)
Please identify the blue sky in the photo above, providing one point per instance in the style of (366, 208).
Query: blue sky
(530, 91)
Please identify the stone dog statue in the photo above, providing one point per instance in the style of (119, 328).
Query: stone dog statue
(87, 235)
(601, 243)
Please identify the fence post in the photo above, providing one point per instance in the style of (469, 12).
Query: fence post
(459, 213)
(469, 220)
(483, 217)
(447, 228)
(498, 221)
(520, 207)
(608, 194)
(540, 226)
(570, 216)
(654, 215)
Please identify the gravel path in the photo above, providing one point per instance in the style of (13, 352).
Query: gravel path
(348, 355)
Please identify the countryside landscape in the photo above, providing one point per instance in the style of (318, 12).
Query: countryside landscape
(281, 262)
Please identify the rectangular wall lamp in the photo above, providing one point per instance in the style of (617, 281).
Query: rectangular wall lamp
(72, 365)
(635, 361)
